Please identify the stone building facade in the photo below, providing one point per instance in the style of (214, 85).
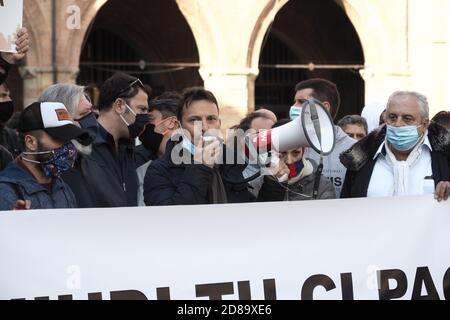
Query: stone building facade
(401, 44)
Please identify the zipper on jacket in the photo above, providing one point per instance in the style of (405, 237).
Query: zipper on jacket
(124, 187)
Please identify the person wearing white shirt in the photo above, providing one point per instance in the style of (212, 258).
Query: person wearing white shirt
(407, 156)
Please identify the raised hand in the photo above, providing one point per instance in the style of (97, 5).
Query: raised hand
(22, 47)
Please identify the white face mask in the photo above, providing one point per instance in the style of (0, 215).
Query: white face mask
(132, 112)
(295, 112)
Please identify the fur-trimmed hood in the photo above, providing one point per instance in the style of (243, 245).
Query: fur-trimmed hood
(357, 156)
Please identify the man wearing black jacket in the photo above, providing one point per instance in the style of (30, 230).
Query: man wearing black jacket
(190, 172)
(107, 177)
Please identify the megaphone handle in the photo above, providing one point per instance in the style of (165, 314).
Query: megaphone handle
(316, 121)
(317, 180)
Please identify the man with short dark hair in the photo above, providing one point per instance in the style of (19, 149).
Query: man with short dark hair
(327, 93)
(163, 116)
(190, 172)
(33, 180)
(323, 90)
(109, 172)
(355, 126)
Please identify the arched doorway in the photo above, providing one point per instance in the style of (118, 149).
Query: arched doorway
(147, 39)
(310, 39)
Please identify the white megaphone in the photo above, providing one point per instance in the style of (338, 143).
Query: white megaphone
(314, 129)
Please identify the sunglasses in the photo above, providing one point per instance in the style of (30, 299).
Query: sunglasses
(131, 85)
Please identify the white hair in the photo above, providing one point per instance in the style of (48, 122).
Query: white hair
(67, 94)
(422, 101)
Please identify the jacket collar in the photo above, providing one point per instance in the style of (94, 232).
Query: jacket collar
(15, 174)
(363, 151)
(105, 138)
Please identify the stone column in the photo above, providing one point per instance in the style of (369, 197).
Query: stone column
(37, 79)
(234, 90)
(229, 35)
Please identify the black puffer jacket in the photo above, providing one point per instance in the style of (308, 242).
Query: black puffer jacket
(167, 183)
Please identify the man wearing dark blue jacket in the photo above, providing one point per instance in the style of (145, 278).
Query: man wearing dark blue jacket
(33, 180)
(190, 172)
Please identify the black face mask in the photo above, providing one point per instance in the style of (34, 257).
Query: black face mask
(6, 110)
(89, 123)
(150, 139)
(137, 128)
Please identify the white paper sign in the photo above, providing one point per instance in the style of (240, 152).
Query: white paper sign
(11, 13)
(333, 249)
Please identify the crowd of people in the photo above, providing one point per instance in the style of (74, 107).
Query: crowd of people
(130, 150)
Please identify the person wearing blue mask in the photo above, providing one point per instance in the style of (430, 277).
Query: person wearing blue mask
(407, 156)
(192, 170)
(328, 94)
(33, 180)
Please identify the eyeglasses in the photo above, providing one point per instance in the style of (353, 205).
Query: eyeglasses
(131, 85)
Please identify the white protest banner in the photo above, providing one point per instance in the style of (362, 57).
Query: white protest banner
(11, 12)
(394, 248)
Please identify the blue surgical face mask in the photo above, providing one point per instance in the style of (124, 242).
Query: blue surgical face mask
(188, 145)
(403, 138)
(295, 112)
